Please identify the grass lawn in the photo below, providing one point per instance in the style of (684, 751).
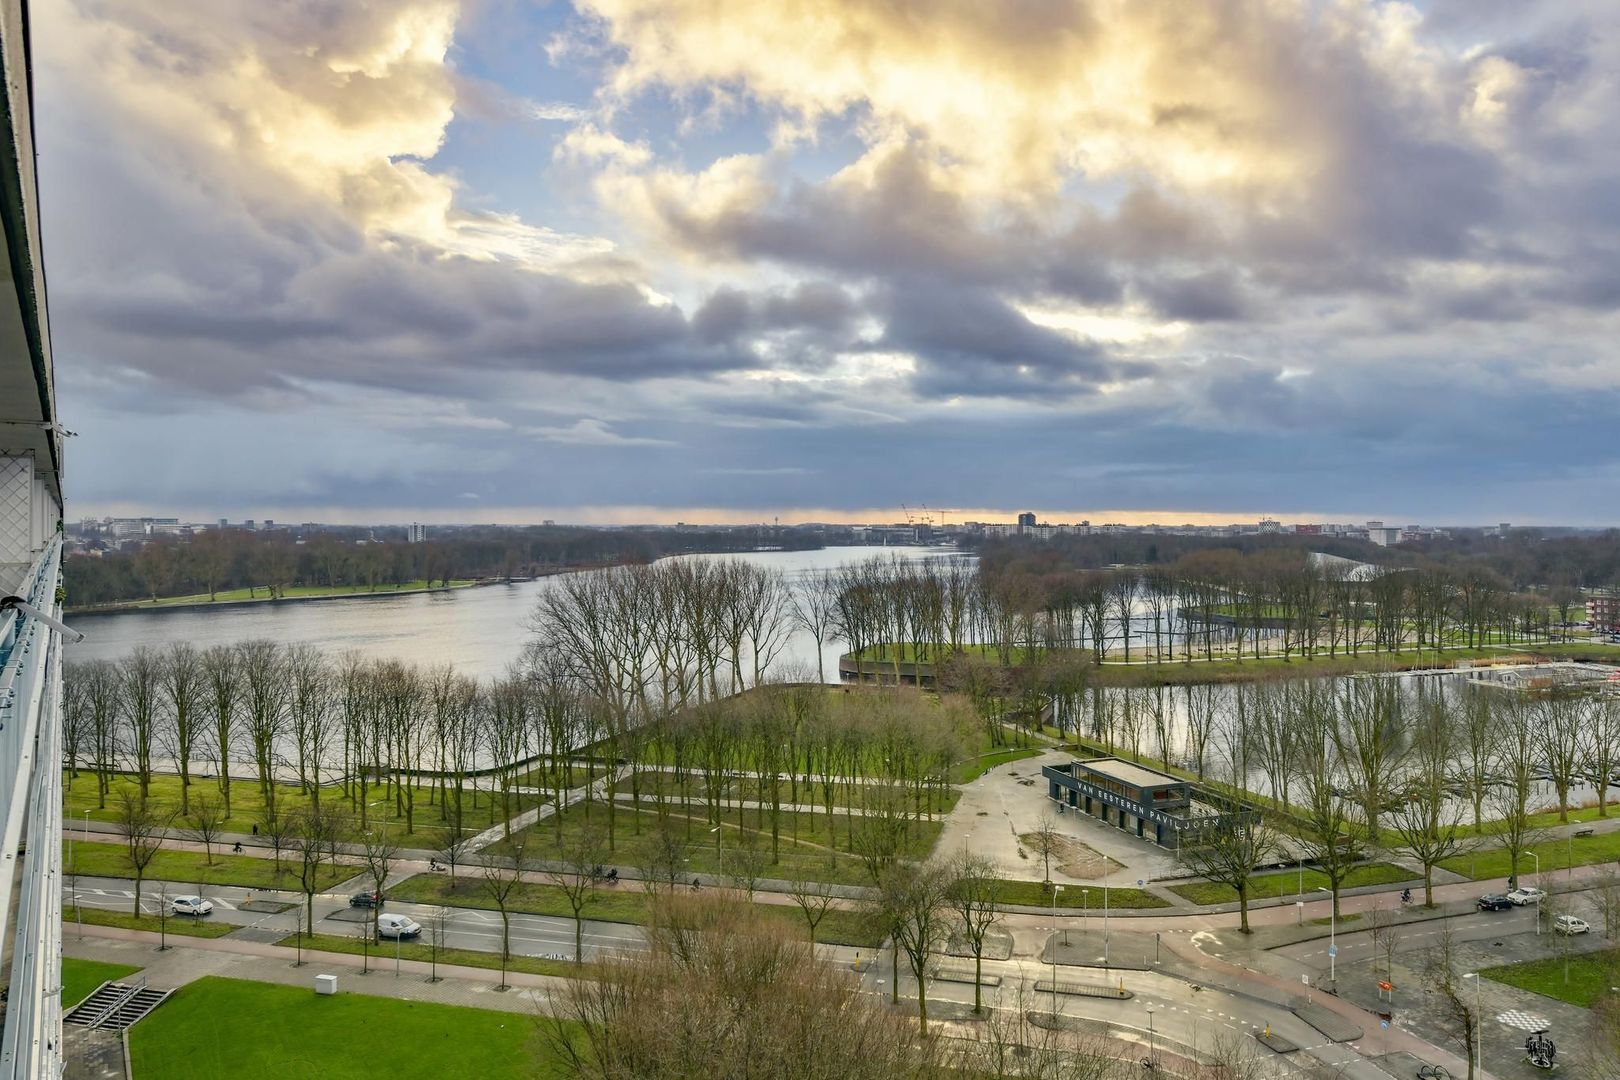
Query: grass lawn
(190, 868)
(181, 925)
(1086, 897)
(261, 1031)
(807, 842)
(624, 903)
(1554, 855)
(1177, 672)
(1286, 883)
(479, 807)
(1589, 975)
(262, 592)
(80, 977)
(973, 768)
(418, 950)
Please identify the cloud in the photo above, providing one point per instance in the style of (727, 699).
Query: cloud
(589, 432)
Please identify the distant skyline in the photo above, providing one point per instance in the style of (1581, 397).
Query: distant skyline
(654, 260)
(649, 515)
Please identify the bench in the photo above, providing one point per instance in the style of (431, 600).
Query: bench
(1588, 831)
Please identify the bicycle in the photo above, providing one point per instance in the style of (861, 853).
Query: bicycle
(1433, 1072)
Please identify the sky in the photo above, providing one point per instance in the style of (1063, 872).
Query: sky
(658, 260)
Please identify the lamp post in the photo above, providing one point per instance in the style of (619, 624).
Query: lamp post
(1333, 939)
(1537, 859)
(719, 850)
(1151, 1033)
(1054, 947)
(1105, 924)
(1479, 1027)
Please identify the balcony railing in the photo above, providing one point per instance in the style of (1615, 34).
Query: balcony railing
(31, 843)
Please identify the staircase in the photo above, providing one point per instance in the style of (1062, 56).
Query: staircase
(116, 1005)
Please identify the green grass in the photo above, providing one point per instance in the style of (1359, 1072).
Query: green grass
(1087, 897)
(179, 925)
(479, 808)
(623, 903)
(807, 842)
(81, 977)
(190, 868)
(262, 593)
(1286, 883)
(1554, 854)
(417, 950)
(1178, 672)
(260, 1031)
(966, 771)
(1590, 974)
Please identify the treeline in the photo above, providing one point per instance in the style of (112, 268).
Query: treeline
(1363, 764)
(1524, 558)
(226, 559)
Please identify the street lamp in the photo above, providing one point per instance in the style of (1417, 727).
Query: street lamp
(1105, 923)
(1054, 947)
(719, 850)
(1333, 939)
(1151, 1049)
(1479, 1026)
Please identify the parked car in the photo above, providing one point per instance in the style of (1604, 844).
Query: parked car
(1527, 894)
(397, 926)
(190, 905)
(1493, 902)
(366, 900)
(1569, 924)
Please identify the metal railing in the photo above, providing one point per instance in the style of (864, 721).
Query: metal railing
(31, 840)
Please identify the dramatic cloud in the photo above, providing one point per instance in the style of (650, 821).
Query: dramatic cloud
(690, 253)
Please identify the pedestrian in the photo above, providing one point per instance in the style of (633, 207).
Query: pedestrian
(236, 848)
(255, 828)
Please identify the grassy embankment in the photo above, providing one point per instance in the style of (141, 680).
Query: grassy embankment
(261, 593)
(181, 925)
(419, 950)
(1287, 883)
(259, 1031)
(81, 977)
(191, 868)
(1590, 974)
(623, 903)
(480, 808)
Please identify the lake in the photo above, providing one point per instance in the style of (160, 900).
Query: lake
(479, 630)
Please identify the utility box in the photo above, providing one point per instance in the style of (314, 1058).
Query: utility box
(326, 984)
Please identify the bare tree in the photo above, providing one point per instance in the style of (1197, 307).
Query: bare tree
(813, 899)
(454, 846)
(499, 884)
(205, 821)
(277, 829)
(313, 831)
(264, 700)
(185, 685)
(1045, 840)
(815, 611)
(1457, 1014)
(664, 861)
(1600, 746)
(1228, 852)
(915, 900)
(222, 671)
(1426, 817)
(745, 864)
(104, 694)
(143, 829)
(377, 853)
(576, 875)
(975, 895)
(784, 1012)
(140, 674)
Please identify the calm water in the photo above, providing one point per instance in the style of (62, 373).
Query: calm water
(479, 630)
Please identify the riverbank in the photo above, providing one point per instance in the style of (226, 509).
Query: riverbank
(261, 595)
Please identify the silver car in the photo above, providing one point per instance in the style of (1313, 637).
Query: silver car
(190, 905)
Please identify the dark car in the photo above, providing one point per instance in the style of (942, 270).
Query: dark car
(1493, 902)
(366, 899)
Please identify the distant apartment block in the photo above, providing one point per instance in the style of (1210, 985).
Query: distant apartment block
(416, 533)
(1603, 611)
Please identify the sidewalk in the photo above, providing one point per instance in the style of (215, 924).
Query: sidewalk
(192, 958)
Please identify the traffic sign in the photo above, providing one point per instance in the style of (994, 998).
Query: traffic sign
(1333, 950)
(1384, 1024)
(1140, 883)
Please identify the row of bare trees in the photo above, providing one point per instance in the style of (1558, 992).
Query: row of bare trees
(1353, 766)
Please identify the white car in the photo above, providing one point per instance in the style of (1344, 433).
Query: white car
(1569, 924)
(190, 905)
(397, 926)
(1527, 894)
